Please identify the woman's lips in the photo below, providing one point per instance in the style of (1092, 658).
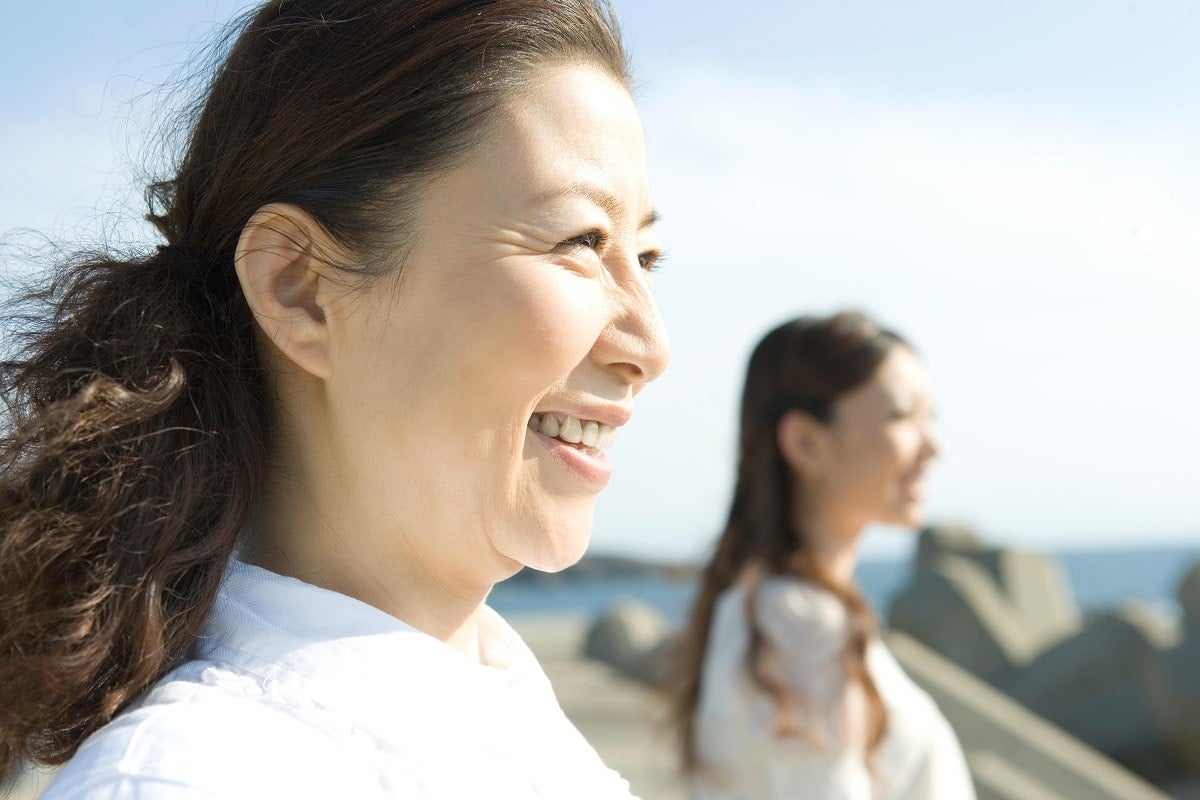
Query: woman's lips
(590, 465)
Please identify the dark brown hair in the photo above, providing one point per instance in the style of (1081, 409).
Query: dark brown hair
(805, 365)
(136, 402)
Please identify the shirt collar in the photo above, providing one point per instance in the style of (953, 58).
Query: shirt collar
(319, 647)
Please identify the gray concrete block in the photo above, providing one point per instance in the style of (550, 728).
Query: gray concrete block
(1093, 685)
(988, 609)
(937, 541)
(958, 610)
(1160, 627)
(1036, 586)
(657, 667)
(1040, 593)
(987, 721)
(1173, 682)
(997, 778)
(1188, 594)
(625, 634)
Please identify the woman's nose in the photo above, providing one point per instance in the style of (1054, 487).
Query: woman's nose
(635, 341)
(932, 444)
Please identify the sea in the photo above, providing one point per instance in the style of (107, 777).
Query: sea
(1100, 580)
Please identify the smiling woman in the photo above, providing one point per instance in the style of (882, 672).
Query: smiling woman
(408, 403)
(257, 486)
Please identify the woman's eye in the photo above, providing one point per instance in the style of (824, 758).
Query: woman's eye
(592, 240)
(652, 260)
(595, 240)
(921, 414)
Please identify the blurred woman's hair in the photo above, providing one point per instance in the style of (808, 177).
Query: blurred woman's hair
(803, 365)
(137, 408)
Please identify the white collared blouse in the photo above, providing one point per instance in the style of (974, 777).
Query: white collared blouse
(298, 692)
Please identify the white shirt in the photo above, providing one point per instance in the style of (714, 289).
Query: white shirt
(299, 692)
(806, 627)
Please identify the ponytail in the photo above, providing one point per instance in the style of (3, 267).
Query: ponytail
(129, 464)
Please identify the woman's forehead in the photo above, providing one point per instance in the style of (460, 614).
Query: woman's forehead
(573, 138)
(900, 376)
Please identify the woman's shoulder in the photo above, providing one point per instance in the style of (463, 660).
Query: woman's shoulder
(795, 605)
(904, 697)
(798, 617)
(189, 738)
(921, 745)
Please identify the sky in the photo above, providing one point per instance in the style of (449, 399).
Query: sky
(1015, 186)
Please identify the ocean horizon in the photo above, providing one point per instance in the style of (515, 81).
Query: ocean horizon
(1100, 579)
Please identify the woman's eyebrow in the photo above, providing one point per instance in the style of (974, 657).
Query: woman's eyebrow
(606, 200)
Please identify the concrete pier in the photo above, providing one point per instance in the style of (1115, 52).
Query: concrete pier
(621, 718)
(1012, 753)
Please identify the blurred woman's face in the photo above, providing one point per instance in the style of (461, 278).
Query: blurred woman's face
(477, 393)
(881, 442)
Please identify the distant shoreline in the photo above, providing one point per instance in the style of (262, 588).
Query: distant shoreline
(1101, 578)
(601, 565)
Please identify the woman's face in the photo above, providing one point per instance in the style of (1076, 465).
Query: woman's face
(880, 442)
(526, 297)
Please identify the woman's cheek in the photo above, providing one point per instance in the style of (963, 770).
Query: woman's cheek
(915, 444)
(565, 314)
(903, 443)
(540, 330)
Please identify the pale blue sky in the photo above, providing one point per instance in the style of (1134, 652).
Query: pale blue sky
(1014, 184)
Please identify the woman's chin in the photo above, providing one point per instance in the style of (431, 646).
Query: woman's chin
(558, 561)
(913, 516)
(556, 551)
(905, 515)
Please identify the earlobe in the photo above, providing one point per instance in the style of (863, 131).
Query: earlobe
(799, 438)
(282, 284)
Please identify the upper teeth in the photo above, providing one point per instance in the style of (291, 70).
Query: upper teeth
(573, 430)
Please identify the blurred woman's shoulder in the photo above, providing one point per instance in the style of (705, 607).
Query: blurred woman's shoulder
(794, 612)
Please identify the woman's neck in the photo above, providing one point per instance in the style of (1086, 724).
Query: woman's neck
(300, 536)
(832, 542)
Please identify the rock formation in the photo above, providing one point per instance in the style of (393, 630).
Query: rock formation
(990, 610)
(1125, 681)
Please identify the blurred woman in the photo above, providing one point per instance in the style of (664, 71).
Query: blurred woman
(786, 689)
(257, 483)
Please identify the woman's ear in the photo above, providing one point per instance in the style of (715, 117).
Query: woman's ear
(285, 286)
(803, 441)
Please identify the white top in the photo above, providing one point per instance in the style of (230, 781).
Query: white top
(806, 628)
(300, 692)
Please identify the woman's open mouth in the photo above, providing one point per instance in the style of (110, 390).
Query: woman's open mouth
(576, 444)
(581, 433)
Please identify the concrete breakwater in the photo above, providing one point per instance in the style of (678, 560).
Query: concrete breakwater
(622, 717)
(1124, 680)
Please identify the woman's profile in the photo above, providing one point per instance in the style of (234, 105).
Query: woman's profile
(257, 483)
(785, 689)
